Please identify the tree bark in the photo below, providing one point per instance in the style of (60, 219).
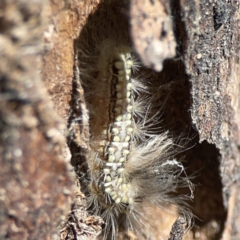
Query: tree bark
(194, 45)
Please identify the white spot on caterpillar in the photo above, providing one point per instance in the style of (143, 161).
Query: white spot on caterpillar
(131, 167)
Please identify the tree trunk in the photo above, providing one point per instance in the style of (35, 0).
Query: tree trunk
(192, 48)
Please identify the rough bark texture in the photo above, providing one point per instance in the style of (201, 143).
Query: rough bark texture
(202, 104)
(210, 36)
(35, 183)
(207, 35)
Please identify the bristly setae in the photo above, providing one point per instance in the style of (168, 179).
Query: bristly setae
(130, 160)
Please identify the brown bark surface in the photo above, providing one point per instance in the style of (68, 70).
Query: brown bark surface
(207, 36)
(210, 33)
(35, 183)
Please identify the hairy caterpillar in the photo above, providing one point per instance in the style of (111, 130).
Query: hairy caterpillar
(131, 161)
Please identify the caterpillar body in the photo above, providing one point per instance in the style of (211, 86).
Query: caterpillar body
(131, 163)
